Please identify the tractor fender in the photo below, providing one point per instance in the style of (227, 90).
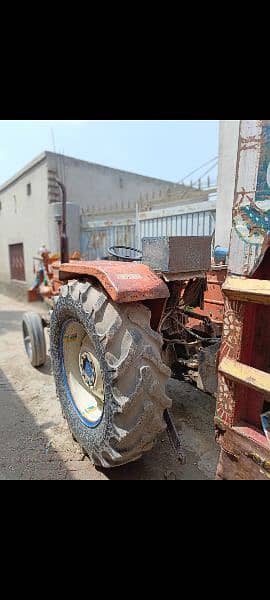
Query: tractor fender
(123, 281)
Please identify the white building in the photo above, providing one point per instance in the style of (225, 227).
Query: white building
(29, 205)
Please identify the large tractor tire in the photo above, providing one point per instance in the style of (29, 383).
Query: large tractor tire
(109, 375)
(34, 338)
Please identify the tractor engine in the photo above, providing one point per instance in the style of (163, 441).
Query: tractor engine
(192, 319)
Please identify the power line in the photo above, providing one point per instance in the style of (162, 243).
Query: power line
(208, 171)
(53, 139)
(198, 169)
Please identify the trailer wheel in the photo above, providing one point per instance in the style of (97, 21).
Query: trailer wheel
(109, 375)
(34, 339)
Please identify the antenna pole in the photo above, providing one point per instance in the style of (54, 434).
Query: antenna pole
(53, 140)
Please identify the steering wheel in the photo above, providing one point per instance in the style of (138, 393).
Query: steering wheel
(125, 253)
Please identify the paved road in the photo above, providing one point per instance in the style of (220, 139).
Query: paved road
(35, 442)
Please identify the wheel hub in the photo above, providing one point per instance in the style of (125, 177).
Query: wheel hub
(87, 369)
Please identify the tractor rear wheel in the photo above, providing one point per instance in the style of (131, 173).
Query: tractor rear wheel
(109, 375)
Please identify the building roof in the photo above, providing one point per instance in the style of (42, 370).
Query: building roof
(47, 154)
(105, 167)
(39, 159)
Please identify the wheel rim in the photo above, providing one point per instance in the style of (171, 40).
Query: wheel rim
(82, 375)
(27, 342)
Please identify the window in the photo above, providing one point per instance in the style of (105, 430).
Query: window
(29, 189)
(16, 261)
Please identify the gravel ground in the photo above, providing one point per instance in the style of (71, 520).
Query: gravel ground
(35, 442)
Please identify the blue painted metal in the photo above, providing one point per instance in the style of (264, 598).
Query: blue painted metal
(220, 254)
(90, 372)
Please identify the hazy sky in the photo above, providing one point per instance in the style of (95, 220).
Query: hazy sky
(163, 149)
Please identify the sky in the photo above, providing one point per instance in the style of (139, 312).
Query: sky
(164, 149)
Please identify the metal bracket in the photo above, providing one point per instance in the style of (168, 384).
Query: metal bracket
(174, 437)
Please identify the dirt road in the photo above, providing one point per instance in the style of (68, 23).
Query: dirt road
(35, 442)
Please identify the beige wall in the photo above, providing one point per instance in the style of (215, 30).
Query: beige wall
(24, 219)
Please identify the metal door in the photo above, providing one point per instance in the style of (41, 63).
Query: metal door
(16, 260)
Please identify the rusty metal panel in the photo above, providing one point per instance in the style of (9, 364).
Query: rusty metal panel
(177, 254)
(213, 302)
(124, 282)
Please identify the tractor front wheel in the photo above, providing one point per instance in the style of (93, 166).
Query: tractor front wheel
(109, 375)
(34, 338)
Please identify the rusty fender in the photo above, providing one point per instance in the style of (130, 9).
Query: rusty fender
(123, 281)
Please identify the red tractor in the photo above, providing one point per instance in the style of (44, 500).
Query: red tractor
(116, 328)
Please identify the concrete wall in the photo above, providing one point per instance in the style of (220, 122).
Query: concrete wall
(73, 227)
(24, 219)
(228, 147)
(99, 189)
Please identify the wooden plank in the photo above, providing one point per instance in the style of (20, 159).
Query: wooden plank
(241, 468)
(247, 290)
(251, 433)
(243, 455)
(252, 378)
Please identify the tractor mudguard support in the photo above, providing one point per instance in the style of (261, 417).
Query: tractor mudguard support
(124, 282)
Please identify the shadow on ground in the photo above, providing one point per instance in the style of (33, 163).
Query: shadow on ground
(24, 447)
